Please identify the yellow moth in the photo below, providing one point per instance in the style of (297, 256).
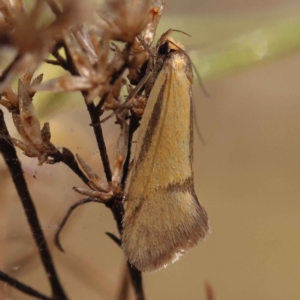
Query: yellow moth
(163, 217)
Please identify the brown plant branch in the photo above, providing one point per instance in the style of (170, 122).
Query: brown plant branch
(6, 71)
(123, 293)
(95, 121)
(59, 59)
(22, 287)
(114, 238)
(209, 290)
(117, 209)
(52, 62)
(137, 281)
(133, 125)
(54, 7)
(66, 217)
(10, 156)
(67, 157)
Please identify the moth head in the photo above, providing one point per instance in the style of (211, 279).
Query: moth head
(167, 46)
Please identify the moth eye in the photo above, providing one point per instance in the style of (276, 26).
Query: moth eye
(164, 49)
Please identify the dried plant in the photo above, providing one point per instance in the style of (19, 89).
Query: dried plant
(79, 37)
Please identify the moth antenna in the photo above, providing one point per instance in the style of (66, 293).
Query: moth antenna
(200, 81)
(197, 126)
(164, 36)
(206, 94)
(185, 33)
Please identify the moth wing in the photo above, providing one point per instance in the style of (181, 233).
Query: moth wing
(163, 217)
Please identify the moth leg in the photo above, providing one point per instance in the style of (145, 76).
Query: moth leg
(134, 94)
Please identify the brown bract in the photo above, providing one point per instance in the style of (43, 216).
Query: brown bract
(99, 188)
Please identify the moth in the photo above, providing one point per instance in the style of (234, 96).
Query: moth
(163, 217)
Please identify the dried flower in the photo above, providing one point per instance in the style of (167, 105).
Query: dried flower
(33, 34)
(35, 141)
(93, 78)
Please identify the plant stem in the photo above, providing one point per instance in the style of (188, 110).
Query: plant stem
(14, 165)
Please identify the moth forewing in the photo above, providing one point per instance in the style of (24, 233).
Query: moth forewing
(163, 217)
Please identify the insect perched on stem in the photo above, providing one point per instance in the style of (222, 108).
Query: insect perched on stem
(163, 217)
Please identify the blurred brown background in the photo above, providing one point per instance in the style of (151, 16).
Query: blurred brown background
(247, 176)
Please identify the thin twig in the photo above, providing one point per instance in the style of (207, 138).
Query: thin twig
(117, 208)
(137, 281)
(54, 7)
(95, 119)
(9, 68)
(67, 157)
(114, 238)
(22, 287)
(123, 293)
(210, 293)
(14, 165)
(101, 103)
(65, 219)
(133, 125)
(55, 53)
(52, 62)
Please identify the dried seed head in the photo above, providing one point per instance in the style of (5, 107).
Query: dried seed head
(124, 20)
(33, 33)
(155, 14)
(35, 141)
(7, 14)
(85, 40)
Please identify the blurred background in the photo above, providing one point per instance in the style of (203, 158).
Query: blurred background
(247, 175)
